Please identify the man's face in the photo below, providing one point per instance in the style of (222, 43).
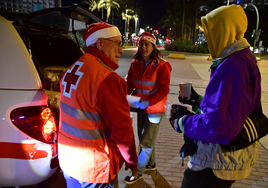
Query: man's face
(112, 48)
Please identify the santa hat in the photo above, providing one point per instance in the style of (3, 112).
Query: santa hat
(147, 36)
(100, 30)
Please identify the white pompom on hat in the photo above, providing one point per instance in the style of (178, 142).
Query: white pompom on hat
(100, 30)
(147, 36)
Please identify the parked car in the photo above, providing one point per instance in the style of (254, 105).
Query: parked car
(35, 51)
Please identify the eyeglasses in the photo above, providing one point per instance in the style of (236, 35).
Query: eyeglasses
(117, 43)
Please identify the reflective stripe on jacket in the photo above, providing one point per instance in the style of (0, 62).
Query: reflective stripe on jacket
(86, 151)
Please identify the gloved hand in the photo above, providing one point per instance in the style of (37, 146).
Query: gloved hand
(180, 111)
(175, 125)
(193, 98)
(189, 148)
(142, 104)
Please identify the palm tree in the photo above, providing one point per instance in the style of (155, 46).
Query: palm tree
(209, 5)
(135, 5)
(134, 10)
(171, 20)
(92, 4)
(183, 16)
(119, 11)
(106, 4)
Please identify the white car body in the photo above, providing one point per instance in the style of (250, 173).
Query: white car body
(21, 156)
(24, 160)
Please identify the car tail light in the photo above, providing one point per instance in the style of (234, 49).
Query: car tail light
(36, 121)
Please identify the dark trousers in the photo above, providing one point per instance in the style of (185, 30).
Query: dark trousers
(203, 179)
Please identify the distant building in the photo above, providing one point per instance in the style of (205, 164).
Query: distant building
(27, 6)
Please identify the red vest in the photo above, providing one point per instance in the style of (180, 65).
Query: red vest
(86, 151)
(146, 84)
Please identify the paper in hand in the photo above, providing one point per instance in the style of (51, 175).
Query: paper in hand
(131, 99)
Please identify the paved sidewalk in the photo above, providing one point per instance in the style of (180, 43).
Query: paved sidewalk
(169, 173)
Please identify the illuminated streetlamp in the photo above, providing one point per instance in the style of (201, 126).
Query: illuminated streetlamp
(127, 17)
(136, 22)
(256, 35)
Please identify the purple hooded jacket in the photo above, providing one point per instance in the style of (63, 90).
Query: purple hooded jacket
(231, 95)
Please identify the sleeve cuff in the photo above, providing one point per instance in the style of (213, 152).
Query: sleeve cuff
(195, 108)
(180, 124)
(200, 98)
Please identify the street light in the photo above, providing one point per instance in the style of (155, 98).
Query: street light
(127, 16)
(257, 24)
(136, 21)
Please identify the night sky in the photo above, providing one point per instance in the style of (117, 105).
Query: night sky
(153, 11)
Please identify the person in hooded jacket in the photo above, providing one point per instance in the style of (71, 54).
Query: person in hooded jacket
(148, 78)
(95, 134)
(233, 93)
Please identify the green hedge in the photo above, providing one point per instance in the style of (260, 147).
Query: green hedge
(186, 46)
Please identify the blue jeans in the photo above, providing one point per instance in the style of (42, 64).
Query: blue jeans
(74, 183)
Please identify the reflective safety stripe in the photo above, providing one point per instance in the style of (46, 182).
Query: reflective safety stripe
(146, 83)
(85, 133)
(149, 83)
(146, 92)
(137, 82)
(80, 114)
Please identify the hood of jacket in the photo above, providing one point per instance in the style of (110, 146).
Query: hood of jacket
(224, 26)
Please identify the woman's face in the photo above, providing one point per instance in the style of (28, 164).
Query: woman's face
(145, 48)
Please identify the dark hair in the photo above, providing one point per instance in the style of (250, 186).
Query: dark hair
(156, 54)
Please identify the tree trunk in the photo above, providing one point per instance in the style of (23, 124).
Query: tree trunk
(112, 17)
(195, 21)
(182, 22)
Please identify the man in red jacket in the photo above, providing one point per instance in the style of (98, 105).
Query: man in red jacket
(96, 134)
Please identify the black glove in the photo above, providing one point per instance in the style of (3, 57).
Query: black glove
(193, 98)
(179, 111)
(189, 147)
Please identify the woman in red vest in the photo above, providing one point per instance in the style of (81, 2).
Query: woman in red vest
(148, 78)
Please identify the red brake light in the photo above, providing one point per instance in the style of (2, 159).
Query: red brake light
(37, 122)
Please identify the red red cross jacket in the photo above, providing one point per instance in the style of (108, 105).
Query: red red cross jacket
(95, 134)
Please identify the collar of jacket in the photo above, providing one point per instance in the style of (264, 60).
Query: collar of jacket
(236, 46)
(99, 54)
(155, 61)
